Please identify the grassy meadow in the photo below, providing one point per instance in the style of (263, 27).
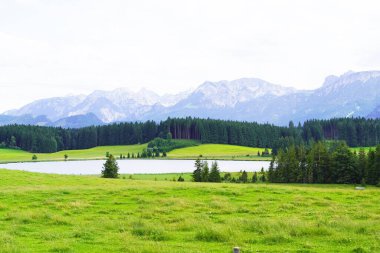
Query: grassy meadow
(14, 155)
(208, 151)
(366, 149)
(57, 213)
(218, 151)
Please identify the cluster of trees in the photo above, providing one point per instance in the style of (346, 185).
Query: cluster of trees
(243, 177)
(168, 144)
(145, 153)
(38, 139)
(355, 131)
(325, 162)
(202, 172)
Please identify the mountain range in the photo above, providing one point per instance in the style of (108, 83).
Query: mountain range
(353, 94)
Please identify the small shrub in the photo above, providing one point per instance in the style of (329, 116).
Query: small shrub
(358, 250)
(142, 230)
(210, 235)
(34, 157)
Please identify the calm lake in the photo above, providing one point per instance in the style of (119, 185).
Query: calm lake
(131, 166)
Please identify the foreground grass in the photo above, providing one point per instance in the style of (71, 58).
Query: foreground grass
(218, 151)
(56, 213)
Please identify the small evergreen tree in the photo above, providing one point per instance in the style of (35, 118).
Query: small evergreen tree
(205, 172)
(66, 156)
(362, 165)
(110, 168)
(227, 177)
(263, 177)
(181, 179)
(214, 173)
(244, 177)
(128, 155)
(271, 172)
(164, 154)
(34, 157)
(197, 173)
(254, 177)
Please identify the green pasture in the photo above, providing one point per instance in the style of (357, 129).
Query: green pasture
(57, 213)
(218, 151)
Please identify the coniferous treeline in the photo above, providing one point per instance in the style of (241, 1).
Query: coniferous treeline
(325, 162)
(356, 132)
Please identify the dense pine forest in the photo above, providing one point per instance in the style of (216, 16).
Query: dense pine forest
(354, 131)
(325, 163)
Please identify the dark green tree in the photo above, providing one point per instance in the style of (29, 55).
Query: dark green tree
(205, 171)
(244, 177)
(343, 164)
(197, 173)
(227, 177)
(214, 173)
(110, 168)
(254, 177)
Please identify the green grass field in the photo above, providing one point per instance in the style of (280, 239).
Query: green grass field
(175, 176)
(209, 151)
(218, 151)
(366, 149)
(92, 153)
(56, 213)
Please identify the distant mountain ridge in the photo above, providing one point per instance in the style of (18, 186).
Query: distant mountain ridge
(354, 94)
(76, 121)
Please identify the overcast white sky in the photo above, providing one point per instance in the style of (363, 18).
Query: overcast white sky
(53, 48)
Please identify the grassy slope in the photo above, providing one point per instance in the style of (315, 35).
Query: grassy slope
(366, 149)
(92, 153)
(218, 151)
(55, 213)
(208, 151)
(211, 151)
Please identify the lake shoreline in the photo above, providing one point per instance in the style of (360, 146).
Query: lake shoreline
(131, 166)
(136, 159)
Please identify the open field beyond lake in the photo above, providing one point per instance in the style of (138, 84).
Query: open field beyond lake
(218, 151)
(14, 155)
(56, 213)
(208, 151)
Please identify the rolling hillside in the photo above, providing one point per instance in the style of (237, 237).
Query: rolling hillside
(218, 151)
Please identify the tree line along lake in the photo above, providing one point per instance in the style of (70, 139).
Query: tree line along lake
(132, 166)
